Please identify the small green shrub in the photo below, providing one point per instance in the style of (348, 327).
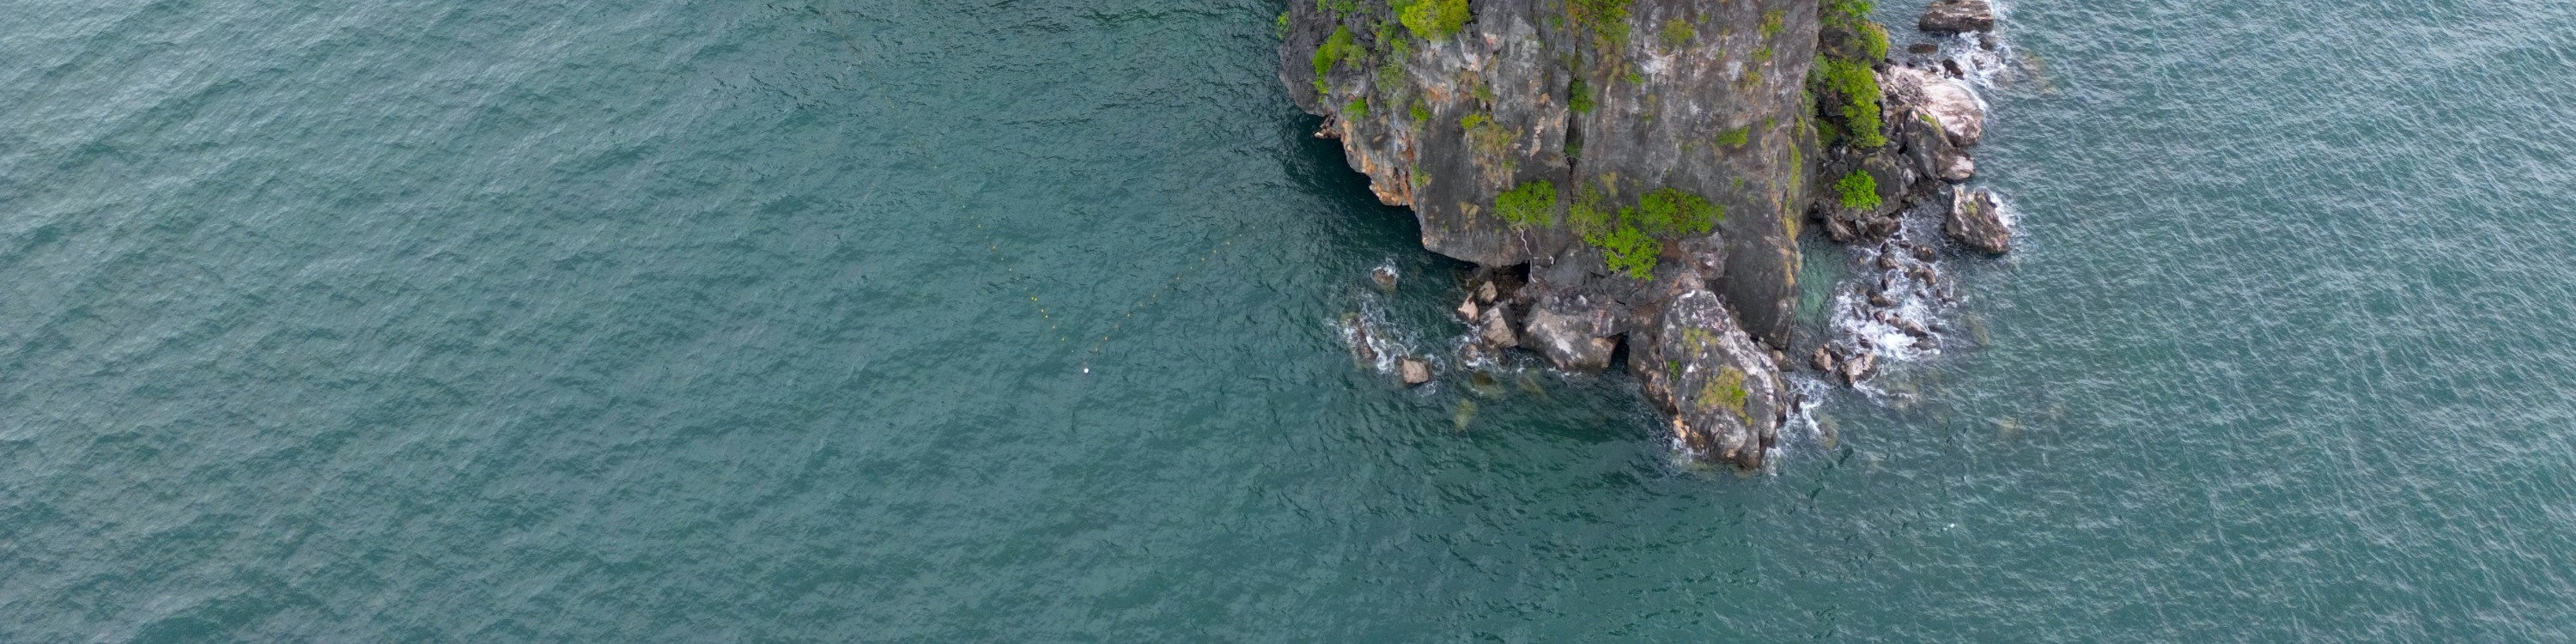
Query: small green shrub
(1339, 8)
(1589, 216)
(1736, 138)
(1356, 110)
(1433, 19)
(1390, 70)
(1671, 212)
(1859, 190)
(1531, 204)
(1677, 32)
(1773, 21)
(1874, 40)
(1282, 31)
(1844, 13)
(1421, 112)
(1628, 250)
(1726, 391)
(1579, 96)
(1485, 136)
(1608, 19)
(1860, 107)
(1337, 48)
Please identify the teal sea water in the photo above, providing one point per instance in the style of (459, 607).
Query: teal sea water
(1013, 320)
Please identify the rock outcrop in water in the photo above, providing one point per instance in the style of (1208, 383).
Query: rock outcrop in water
(1634, 171)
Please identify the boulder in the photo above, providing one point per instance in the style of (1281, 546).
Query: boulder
(1414, 370)
(1385, 278)
(1569, 342)
(1955, 108)
(1859, 367)
(1497, 331)
(1467, 310)
(1977, 223)
(1958, 16)
(1723, 389)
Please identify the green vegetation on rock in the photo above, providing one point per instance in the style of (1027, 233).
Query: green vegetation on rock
(1282, 31)
(1677, 32)
(1530, 205)
(1432, 19)
(1579, 96)
(1858, 88)
(1850, 14)
(1672, 213)
(1631, 237)
(1356, 110)
(1421, 112)
(1726, 391)
(1736, 138)
(1337, 48)
(1773, 21)
(1628, 250)
(1859, 191)
(1608, 19)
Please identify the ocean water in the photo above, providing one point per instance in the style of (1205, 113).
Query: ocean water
(1015, 320)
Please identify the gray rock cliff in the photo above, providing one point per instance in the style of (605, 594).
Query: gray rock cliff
(1644, 159)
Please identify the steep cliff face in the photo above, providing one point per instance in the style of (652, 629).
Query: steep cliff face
(1646, 159)
(1579, 109)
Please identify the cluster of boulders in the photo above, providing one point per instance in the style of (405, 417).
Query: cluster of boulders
(1557, 160)
(1932, 123)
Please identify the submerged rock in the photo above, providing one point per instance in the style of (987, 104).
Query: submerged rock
(1957, 16)
(1414, 370)
(1977, 223)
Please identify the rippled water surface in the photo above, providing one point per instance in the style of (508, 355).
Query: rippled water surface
(901, 320)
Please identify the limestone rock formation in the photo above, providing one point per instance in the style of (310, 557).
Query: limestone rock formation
(1630, 154)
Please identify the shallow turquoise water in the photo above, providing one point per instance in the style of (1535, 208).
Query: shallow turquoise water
(752, 322)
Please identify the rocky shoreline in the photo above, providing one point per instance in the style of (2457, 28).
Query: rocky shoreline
(1636, 173)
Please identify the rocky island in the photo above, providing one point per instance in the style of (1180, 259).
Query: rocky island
(1638, 172)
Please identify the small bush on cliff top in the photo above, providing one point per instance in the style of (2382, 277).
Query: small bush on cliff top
(1433, 19)
(1859, 190)
(1532, 204)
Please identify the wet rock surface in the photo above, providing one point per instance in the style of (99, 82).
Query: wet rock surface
(1721, 387)
(1976, 223)
(1955, 16)
(1892, 310)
